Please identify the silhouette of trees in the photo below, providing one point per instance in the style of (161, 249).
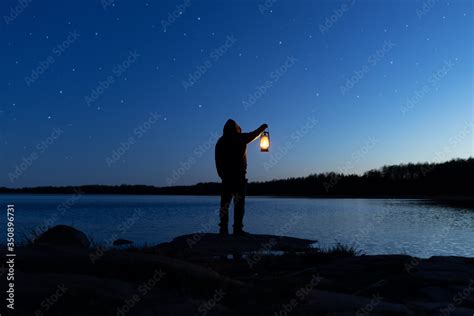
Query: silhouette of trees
(452, 178)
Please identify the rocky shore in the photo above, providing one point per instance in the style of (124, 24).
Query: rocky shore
(205, 274)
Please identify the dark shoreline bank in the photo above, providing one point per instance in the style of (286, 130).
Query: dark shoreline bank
(453, 201)
(194, 274)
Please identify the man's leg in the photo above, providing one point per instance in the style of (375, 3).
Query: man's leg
(226, 197)
(239, 206)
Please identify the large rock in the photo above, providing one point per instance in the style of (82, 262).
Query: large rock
(63, 236)
(211, 245)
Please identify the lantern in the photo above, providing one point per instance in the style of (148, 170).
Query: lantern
(265, 141)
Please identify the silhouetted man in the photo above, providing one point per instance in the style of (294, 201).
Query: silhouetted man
(231, 164)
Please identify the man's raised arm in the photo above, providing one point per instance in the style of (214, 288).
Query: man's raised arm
(250, 137)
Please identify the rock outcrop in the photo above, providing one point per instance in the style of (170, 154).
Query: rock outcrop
(266, 275)
(63, 236)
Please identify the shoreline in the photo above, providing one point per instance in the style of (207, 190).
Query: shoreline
(189, 270)
(452, 201)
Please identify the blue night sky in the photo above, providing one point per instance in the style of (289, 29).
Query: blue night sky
(137, 92)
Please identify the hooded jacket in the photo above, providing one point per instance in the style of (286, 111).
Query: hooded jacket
(231, 151)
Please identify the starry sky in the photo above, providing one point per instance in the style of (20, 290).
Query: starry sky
(137, 92)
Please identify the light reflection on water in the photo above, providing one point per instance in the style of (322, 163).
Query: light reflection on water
(375, 226)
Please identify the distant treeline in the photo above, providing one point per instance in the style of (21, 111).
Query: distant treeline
(452, 178)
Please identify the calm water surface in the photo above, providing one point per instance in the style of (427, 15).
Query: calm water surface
(375, 226)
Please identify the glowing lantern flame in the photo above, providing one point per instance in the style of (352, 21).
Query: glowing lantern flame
(265, 142)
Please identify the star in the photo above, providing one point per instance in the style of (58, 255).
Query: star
(280, 42)
(317, 94)
(122, 101)
(199, 18)
(96, 33)
(49, 117)
(98, 108)
(60, 91)
(199, 105)
(73, 69)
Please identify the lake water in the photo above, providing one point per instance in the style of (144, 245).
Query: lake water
(375, 226)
